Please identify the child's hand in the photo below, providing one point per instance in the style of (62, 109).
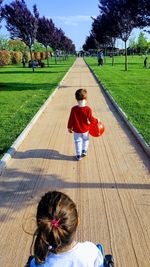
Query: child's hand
(70, 130)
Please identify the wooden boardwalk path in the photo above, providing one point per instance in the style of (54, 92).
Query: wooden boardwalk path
(111, 186)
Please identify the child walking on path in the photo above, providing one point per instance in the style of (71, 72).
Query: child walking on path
(54, 244)
(79, 123)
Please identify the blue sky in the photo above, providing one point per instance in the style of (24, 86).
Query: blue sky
(72, 16)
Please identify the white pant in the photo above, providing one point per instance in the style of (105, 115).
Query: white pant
(81, 142)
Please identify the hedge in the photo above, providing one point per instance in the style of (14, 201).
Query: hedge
(5, 57)
(16, 57)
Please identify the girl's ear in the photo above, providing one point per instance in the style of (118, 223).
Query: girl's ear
(78, 221)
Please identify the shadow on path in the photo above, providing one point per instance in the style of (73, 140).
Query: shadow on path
(43, 153)
(21, 188)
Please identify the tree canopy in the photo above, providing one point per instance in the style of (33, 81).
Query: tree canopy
(29, 27)
(90, 43)
(21, 23)
(117, 19)
(45, 32)
(0, 10)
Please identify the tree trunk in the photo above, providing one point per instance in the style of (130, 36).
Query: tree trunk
(126, 57)
(55, 58)
(32, 59)
(30, 53)
(105, 52)
(113, 55)
(47, 57)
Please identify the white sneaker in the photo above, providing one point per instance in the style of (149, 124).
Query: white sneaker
(84, 153)
(78, 157)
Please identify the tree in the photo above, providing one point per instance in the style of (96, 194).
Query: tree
(90, 43)
(68, 46)
(124, 18)
(132, 48)
(126, 25)
(38, 47)
(143, 14)
(17, 45)
(142, 43)
(0, 10)
(4, 43)
(104, 31)
(57, 41)
(60, 39)
(45, 33)
(117, 19)
(21, 23)
(132, 42)
(98, 33)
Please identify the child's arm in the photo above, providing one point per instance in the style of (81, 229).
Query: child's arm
(91, 118)
(70, 123)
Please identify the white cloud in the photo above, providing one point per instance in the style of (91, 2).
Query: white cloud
(73, 20)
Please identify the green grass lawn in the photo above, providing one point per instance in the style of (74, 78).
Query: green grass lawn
(130, 89)
(22, 93)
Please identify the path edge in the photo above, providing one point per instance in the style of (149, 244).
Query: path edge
(133, 129)
(12, 150)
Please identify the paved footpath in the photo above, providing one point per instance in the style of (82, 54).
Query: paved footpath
(111, 186)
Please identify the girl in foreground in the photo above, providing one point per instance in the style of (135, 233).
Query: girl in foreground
(54, 243)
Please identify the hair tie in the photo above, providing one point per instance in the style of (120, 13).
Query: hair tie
(55, 223)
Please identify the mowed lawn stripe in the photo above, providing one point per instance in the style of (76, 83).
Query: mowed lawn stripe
(22, 93)
(130, 89)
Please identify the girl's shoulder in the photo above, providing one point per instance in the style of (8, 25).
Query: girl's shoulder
(89, 253)
(87, 246)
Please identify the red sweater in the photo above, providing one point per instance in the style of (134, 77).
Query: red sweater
(80, 119)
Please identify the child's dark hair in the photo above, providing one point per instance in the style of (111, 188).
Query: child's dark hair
(81, 94)
(57, 220)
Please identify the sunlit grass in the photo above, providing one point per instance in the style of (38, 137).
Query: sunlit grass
(130, 89)
(22, 93)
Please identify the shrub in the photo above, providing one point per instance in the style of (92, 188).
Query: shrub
(5, 57)
(33, 56)
(16, 57)
(37, 55)
(26, 55)
(17, 45)
(43, 55)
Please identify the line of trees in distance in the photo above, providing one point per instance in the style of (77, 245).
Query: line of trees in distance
(117, 19)
(29, 27)
(140, 46)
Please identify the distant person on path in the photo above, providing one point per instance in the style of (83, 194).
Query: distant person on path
(79, 122)
(145, 62)
(100, 58)
(54, 244)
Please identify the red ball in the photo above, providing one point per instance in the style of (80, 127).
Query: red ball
(97, 129)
